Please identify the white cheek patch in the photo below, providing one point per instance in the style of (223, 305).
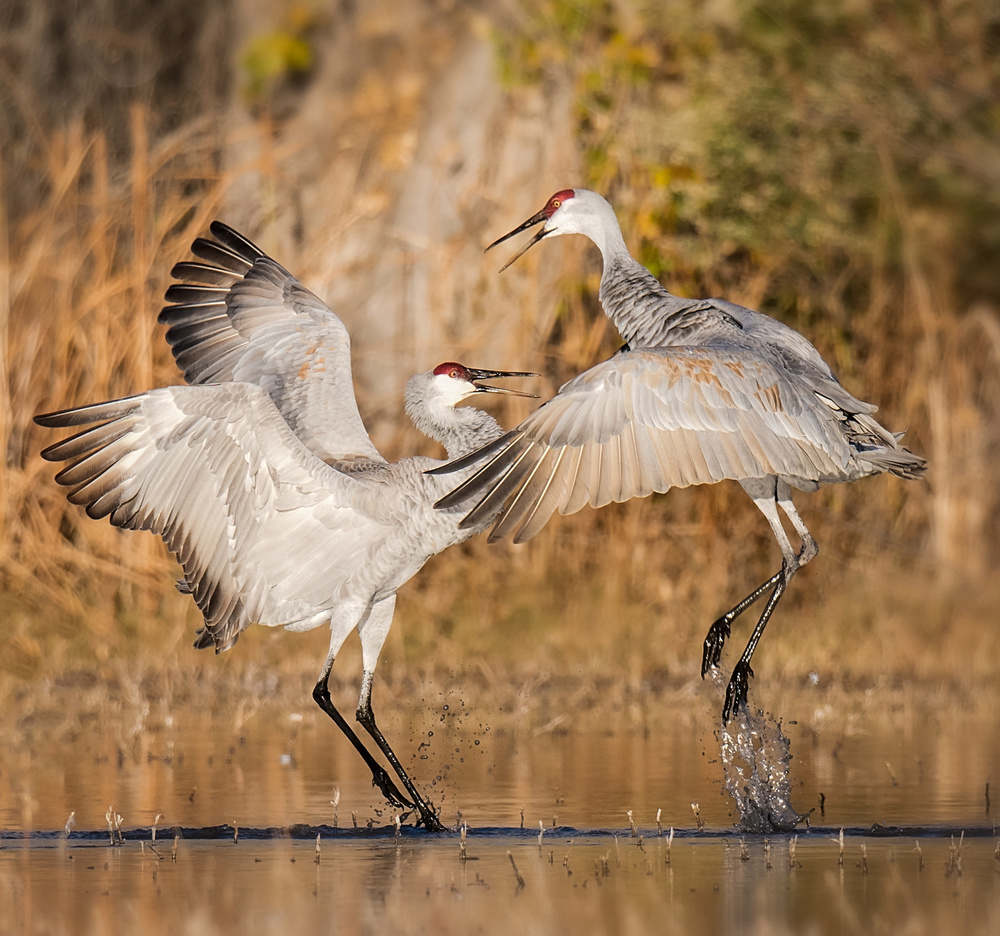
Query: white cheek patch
(451, 391)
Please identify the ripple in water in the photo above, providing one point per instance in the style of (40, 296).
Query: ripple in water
(755, 756)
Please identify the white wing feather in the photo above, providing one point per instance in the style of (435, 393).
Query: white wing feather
(256, 520)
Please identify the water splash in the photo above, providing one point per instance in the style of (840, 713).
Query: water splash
(755, 756)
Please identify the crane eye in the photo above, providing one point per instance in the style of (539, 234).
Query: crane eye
(456, 373)
(556, 203)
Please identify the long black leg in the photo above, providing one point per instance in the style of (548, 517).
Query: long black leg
(380, 778)
(768, 494)
(739, 681)
(366, 717)
(721, 628)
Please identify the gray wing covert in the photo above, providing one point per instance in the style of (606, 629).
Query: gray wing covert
(798, 355)
(647, 421)
(241, 316)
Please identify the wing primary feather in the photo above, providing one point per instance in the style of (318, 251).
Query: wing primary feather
(180, 316)
(235, 241)
(182, 338)
(195, 293)
(222, 256)
(579, 493)
(501, 468)
(88, 440)
(545, 500)
(472, 485)
(609, 472)
(210, 349)
(477, 456)
(203, 273)
(83, 415)
(524, 495)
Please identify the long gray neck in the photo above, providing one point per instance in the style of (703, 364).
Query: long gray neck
(645, 314)
(460, 429)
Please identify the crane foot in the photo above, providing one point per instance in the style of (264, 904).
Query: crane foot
(736, 690)
(715, 639)
(429, 820)
(382, 780)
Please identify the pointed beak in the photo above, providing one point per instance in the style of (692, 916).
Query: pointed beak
(478, 375)
(531, 222)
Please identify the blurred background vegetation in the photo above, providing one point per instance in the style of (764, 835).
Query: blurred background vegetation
(834, 165)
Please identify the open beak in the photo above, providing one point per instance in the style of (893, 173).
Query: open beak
(531, 222)
(478, 375)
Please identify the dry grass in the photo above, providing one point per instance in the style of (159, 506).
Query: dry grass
(901, 585)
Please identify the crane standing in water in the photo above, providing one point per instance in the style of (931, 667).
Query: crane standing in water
(264, 483)
(703, 390)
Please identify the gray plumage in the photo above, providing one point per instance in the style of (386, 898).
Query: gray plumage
(705, 390)
(276, 516)
(266, 532)
(243, 317)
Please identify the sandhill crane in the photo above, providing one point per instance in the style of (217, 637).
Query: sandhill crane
(277, 516)
(704, 390)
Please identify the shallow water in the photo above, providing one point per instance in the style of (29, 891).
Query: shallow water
(276, 769)
(571, 883)
(273, 777)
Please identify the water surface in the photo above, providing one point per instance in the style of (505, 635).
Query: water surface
(904, 790)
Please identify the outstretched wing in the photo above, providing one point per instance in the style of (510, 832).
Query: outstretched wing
(241, 316)
(264, 530)
(647, 421)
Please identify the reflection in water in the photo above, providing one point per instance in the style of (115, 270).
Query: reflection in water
(503, 769)
(583, 884)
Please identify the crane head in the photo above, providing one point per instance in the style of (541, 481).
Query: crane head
(458, 381)
(546, 215)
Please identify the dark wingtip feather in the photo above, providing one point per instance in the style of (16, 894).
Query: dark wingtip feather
(213, 252)
(480, 454)
(467, 521)
(202, 638)
(58, 419)
(195, 293)
(231, 238)
(85, 415)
